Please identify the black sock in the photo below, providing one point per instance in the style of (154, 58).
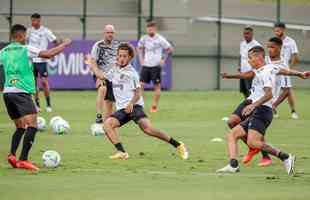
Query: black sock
(99, 116)
(37, 100)
(174, 143)
(16, 138)
(293, 110)
(283, 156)
(265, 154)
(48, 101)
(27, 143)
(234, 163)
(119, 147)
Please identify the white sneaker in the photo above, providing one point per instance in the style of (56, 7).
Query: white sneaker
(295, 115)
(289, 164)
(49, 109)
(228, 169)
(276, 116)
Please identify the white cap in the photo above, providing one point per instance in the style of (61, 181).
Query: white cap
(109, 28)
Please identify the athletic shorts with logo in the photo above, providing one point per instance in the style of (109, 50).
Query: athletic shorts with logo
(40, 69)
(149, 74)
(135, 115)
(108, 84)
(240, 108)
(19, 104)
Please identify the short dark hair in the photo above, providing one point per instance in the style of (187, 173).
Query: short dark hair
(279, 25)
(257, 49)
(248, 28)
(17, 28)
(36, 16)
(151, 24)
(127, 47)
(276, 40)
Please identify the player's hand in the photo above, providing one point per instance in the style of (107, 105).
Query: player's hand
(162, 62)
(248, 110)
(91, 62)
(129, 108)
(66, 42)
(307, 74)
(224, 75)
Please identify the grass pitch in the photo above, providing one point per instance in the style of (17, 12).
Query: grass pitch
(154, 171)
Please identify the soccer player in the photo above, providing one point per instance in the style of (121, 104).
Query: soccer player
(19, 85)
(153, 50)
(289, 54)
(245, 45)
(129, 103)
(274, 46)
(104, 52)
(259, 115)
(39, 36)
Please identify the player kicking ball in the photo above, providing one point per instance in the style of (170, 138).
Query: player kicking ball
(258, 115)
(129, 103)
(19, 85)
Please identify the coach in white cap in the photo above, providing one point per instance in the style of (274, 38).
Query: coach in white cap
(104, 52)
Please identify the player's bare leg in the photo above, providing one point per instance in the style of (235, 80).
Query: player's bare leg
(157, 90)
(146, 126)
(291, 103)
(101, 92)
(37, 95)
(142, 89)
(110, 126)
(46, 90)
(108, 109)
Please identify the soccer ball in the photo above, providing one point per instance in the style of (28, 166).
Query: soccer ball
(96, 129)
(51, 159)
(53, 120)
(41, 124)
(61, 127)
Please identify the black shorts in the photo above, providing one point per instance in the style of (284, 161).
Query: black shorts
(19, 104)
(149, 74)
(40, 69)
(245, 86)
(124, 117)
(259, 120)
(240, 108)
(108, 84)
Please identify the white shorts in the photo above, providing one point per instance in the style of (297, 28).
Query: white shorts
(286, 82)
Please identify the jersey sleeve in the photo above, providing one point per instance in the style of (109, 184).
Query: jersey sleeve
(93, 52)
(164, 43)
(268, 79)
(294, 48)
(141, 42)
(109, 75)
(33, 52)
(50, 35)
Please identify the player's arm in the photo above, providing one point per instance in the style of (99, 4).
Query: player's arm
(134, 100)
(294, 60)
(56, 50)
(292, 72)
(91, 62)
(241, 75)
(267, 96)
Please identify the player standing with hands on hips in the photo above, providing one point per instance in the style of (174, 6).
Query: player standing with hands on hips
(153, 50)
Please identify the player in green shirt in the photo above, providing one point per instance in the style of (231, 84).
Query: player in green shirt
(18, 87)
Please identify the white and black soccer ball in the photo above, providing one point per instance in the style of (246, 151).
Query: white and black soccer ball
(51, 159)
(60, 127)
(54, 119)
(96, 129)
(41, 123)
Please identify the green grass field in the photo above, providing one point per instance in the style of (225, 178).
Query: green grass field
(154, 171)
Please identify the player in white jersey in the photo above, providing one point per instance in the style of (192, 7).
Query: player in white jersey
(245, 45)
(153, 50)
(39, 36)
(129, 103)
(104, 52)
(289, 55)
(258, 115)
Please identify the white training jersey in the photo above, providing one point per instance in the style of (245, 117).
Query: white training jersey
(105, 54)
(153, 49)
(264, 77)
(40, 38)
(289, 48)
(124, 81)
(244, 48)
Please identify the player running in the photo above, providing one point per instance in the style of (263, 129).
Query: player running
(39, 36)
(258, 114)
(153, 50)
(19, 85)
(245, 45)
(129, 103)
(104, 52)
(274, 46)
(289, 55)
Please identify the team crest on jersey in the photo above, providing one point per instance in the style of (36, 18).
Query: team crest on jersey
(13, 81)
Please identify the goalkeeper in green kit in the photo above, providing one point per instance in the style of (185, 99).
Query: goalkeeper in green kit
(18, 88)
